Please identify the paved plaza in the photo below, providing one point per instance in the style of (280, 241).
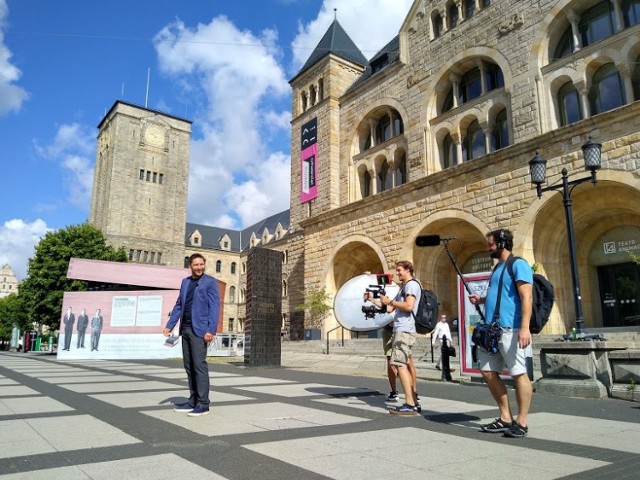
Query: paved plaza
(107, 419)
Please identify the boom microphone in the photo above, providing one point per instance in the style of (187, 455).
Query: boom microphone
(431, 240)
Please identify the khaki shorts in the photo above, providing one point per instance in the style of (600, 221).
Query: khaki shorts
(510, 357)
(401, 348)
(387, 335)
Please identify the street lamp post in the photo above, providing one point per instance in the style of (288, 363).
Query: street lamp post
(538, 168)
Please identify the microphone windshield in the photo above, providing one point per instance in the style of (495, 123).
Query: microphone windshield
(428, 241)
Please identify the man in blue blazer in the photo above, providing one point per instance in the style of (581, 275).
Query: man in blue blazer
(197, 309)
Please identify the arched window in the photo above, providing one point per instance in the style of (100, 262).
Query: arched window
(383, 179)
(365, 184)
(470, 86)
(383, 130)
(232, 294)
(401, 171)
(469, 8)
(485, 3)
(437, 25)
(398, 125)
(596, 23)
(565, 46)
(607, 90)
(313, 98)
(303, 101)
(284, 288)
(218, 266)
(500, 132)
(494, 77)
(320, 89)
(635, 80)
(452, 15)
(233, 267)
(569, 107)
(630, 12)
(186, 260)
(450, 152)
(244, 267)
(473, 145)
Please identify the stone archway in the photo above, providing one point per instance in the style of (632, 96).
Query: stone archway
(432, 265)
(352, 257)
(596, 210)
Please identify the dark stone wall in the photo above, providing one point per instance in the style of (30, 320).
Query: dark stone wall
(264, 308)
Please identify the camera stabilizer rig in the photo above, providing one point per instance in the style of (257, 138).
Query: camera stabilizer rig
(377, 291)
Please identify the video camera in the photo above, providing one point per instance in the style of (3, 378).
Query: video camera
(377, 291)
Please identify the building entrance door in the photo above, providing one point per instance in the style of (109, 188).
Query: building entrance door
(620, 294)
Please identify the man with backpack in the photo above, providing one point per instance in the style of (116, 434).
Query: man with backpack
(509, 303)
(404, 307)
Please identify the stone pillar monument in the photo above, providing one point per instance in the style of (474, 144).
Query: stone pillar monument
(264, 308)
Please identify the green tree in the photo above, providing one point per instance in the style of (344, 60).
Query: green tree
(12, 311)
(47, 280)
(316, 306)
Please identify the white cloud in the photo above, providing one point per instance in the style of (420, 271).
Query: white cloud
(11, 96)
(245, 96)
(371, 24)
(240, 101)
(17, 243)
(73, 149)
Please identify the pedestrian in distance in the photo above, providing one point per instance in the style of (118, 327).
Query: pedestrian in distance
(439, 334)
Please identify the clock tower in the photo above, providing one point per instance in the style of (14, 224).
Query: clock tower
(139, 198)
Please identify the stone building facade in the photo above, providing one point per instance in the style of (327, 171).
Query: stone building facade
(139, 197)
(8, 281)
(434, 135)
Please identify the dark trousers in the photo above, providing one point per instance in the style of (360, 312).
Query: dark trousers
(81, 334)
(194, 356)
(67, 339)
(446, 364)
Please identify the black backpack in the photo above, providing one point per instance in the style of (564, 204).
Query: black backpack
(543, 298)
(426, 316)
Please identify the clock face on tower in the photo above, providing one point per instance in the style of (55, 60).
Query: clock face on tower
(154, 135)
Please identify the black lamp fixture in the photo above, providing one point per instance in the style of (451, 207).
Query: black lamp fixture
(592, 153)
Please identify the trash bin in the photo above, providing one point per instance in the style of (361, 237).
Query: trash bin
(38, 343)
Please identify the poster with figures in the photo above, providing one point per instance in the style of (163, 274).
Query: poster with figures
(468, 317)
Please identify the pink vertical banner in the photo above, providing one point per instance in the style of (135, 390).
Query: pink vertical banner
(309, 161)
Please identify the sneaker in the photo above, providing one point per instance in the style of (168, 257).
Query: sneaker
(516, 431)
(497, 426)
(185, 407)
(403, 410)
(392, 397)
(199, 410)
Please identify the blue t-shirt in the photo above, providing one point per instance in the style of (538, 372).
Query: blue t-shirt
(510, 312)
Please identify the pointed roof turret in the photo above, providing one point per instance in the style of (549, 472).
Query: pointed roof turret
(337, 42)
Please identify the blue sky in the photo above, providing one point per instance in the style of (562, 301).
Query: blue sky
(223, 64)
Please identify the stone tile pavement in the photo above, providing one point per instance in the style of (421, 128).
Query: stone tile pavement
(316, 417)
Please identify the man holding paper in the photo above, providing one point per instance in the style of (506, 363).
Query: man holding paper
(197, 309)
